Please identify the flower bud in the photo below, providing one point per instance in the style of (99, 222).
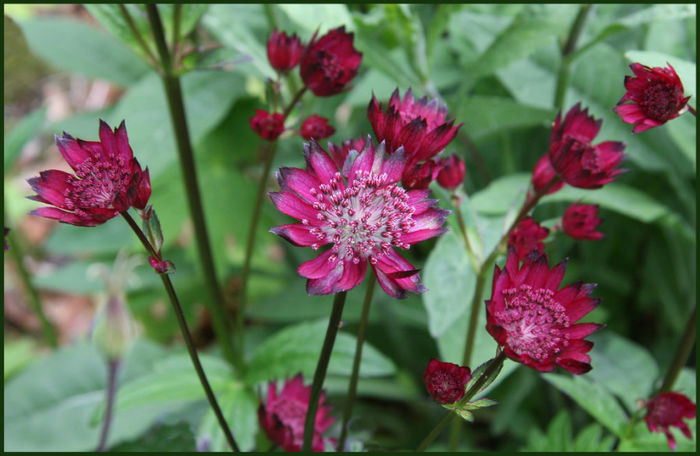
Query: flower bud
(316, 127)
(580, 221)
(113, 330)
(283, 51)
(329, 64)
(526, 237)
(267, 126)
(451, 172)
(446, 381)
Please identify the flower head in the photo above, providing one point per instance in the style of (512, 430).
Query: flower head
(316, 127)
(669, 409)
(575, 159)
(268, 126)
(365, 216)
(283, 51)
(340, 153)
(108, 180)
(283, 414)
(526, 237)
(446, 381)
(534, 321)
(421, 127)
(580, 221)
(655, 95)
(544, 176)
(329, 63)
(451, 172)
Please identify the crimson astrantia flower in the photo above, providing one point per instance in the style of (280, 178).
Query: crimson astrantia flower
(316, 127)
(268, 126)
(283, 415)
(544, 176)
(283, 51)
(340, 153)
(451, 172)
(655, 96)
(329, 63)
(580, 221)
(669, 409)
(575, 159)
(418, 176)
(364, 216)
(526, 237)
(446, 381)
(534, 322)
(421, 127)
(108, 180)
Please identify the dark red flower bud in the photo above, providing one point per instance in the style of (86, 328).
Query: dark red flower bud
(283, 52)
(418, 176)
(451, 172)
(329, 63)
(669, 409)
(544, 174)
(161, 267)
(575, 159)
(446, 381)
(267, 126)
(526, 238)
(580, 221)
(655, 96)
(316, 127)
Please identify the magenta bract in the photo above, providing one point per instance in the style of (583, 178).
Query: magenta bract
(669, 409)
(268, 126)
(655, 95)
(534, 321)
(446, 381)
(418, 176)
(575, 159)
(451, 172)
(526, 237)
(340, 153)
(283, 51)
(544, 176)
(330, 63)
(283, 414)
(365, 216)
(108, 180)
(316, 127)
(580, 221)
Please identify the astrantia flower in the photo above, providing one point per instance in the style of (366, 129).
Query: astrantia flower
(268, 126)
(526, 238)
(421, 127)
(316, 127)
(446, 381)
(669, 409)
(451, 172)
(108, 180)
(340, 153)
(418, 176)
(580, 221)
(282, 416)
(655, 96)
(534, 321)
(364, 217)
(575, 159)
(283, 51)
(329, 63)
(544, 176)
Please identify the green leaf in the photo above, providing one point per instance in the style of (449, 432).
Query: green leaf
(559, 432)
(297, 348)
(466, 414)
(683, 130)
(501, 194)
(593, 398)
(450, 280)
(72, 277)
(478, 372)
(161, 438)
(240, 409)
(78, 48)
(643, 440)
(486, 115)
(321, 17)
(21, 134)
(589, 439)
(103, 239)
(480, 403)
(110, 17)
(684, 68)
(622, 367)
(18, 354)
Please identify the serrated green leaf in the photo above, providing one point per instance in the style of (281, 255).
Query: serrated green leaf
(486, 115)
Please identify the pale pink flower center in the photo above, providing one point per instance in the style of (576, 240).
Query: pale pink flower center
(98, 183)
(533, 321)
(364, 220)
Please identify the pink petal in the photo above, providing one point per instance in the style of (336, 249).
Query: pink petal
(300, 181)
(318, 267)
(292, 205)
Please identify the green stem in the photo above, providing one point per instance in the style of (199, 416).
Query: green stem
(568, 49)
(47, 330)
(322, 367)
(178, 118)
(152, 60)
(352, 388)
(177, 18)
(110, 393)
(446, 418)
(185, 333)
(685, 346)
(294, 101)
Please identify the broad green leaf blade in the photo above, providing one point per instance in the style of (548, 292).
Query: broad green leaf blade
(559, 432)
(21, 134)
(239, 406)
(111, 18)
(297, 348)
(161, 438)
(78, 48)
(684, 68)
(106, 238)
(321, 17)
(18, 354)
(593, 398)
(589, 439)
(486, 115)
(450, 280)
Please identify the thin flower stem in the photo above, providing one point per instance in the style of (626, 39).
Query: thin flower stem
(568, 49)
(177, 19)
(150, 57)
(110, 393)
(691, 110)
(185, 334)
(173, 91)
(444, 421)
(294, 101)
(47, 329)
(352, 388)
(322, 367)
(685, 346)
(460, 220)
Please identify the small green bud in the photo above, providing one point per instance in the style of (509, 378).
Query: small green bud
(114, 329)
